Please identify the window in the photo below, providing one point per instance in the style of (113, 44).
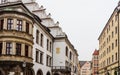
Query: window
(47, 44)
(50, 46)
(112, 34)
(109, 48)
(9, 24)
(8, 48)
(116, 17)
(116, 56)
(19, 25)
(41, 58)
(1, 24)
(37, 37)
(107, 40)
(37, 56)
(112, 46)
(27, 27)
(116, 30)
(109, 37)
(18, 49)
(41, 42)
(116, 42)
(107, 30)
(112, 22)
(66, 51)
(112, 58)
(26, 50)
(70, 55)
(109, 60)
(109, 27)
(47, 60)
(3, 1)
(50, 61)
(0, 48)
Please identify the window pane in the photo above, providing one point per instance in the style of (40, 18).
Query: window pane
(19, 25)
(9, 24)
(8, 48)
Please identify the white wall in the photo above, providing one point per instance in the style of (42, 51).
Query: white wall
(59, 58)
(43, 66)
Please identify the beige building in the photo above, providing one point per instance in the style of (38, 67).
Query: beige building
(85, 68)
(109, 45)
(16, 39)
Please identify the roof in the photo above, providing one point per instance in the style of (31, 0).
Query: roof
(82, 63)
(96, 52)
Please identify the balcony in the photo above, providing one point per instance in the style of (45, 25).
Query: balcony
(63, 69)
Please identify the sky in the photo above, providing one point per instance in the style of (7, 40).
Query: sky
(82, 21)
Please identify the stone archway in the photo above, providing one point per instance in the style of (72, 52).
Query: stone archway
(48, 73)
(39, 72)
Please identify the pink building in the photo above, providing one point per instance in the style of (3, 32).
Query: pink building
(95, 62)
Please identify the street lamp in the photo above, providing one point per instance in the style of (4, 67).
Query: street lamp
(24, 66)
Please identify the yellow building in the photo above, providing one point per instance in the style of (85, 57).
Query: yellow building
(109, 45)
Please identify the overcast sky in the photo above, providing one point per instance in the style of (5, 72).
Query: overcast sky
(81, 20)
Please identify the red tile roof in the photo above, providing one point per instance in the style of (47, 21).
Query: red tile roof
(96, 52)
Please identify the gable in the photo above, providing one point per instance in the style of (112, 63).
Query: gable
(15, 7)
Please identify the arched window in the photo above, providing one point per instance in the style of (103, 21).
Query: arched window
(66, 51)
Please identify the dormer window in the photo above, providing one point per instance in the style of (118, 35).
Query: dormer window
(3, 1)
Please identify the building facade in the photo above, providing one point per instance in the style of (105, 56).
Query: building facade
(31, 43)
(85, 68)
(109, 45)
(95, 62)
(16, 39)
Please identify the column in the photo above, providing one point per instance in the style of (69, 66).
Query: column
(24, 26)
(23, 50)
(14, 48)
(14, 23)
(29, 51)
(5, 23)
(30, 29)
(4, 48)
